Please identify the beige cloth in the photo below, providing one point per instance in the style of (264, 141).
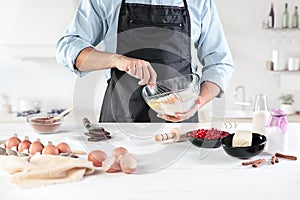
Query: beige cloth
(41, 170)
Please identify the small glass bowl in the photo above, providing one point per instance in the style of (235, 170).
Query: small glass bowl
(45, 123)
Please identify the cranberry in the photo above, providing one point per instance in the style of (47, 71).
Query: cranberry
(209, 134)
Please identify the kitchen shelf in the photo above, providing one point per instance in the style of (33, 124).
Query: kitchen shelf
(286, 72)
(282, 29)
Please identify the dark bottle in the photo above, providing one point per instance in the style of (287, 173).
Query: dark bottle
(271, 17)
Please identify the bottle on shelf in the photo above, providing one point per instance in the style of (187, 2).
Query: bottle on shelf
(295, 19)
(271, 17)
(285, 17)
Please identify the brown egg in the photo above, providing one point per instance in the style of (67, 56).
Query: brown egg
(50, 149)
(128, 163)
(13, 142)
(63, 147)
(24, 145)
(97, 157)
(36, 147)
(111, 165)
(119, 152)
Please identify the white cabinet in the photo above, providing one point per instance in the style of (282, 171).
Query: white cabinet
(31, 28)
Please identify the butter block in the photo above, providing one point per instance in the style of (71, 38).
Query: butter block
(242, 138)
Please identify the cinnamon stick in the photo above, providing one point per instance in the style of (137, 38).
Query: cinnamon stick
(258, 162)
(250, 162)
(274, 160)
(279, 155)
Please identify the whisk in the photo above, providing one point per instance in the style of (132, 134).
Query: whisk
(163, 92)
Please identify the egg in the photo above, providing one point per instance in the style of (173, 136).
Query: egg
(36, 147)
(13, 142)
(97, 157)
(63, 147)
(128, 163)
(111, 165)
(24, 145)
(119, 152)
(50, 149)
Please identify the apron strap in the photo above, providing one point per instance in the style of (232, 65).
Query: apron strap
(184, 2)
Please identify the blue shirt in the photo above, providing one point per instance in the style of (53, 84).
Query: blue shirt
(96, 21)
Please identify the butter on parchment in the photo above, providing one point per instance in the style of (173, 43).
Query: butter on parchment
(242, 138)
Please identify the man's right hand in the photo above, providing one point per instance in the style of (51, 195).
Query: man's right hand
(90, 59)
(137, 68)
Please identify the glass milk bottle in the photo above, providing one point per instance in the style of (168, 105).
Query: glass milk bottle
(260, 114)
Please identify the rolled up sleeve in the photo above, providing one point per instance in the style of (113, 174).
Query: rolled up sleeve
(213, 51)
(87, 29)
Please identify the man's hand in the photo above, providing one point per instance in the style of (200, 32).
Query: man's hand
(137, 68)
(90, 59)
(208, 91)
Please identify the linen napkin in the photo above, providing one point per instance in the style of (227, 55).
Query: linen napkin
(42, 170)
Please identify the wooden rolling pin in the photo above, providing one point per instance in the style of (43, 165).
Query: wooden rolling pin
(169, 137)
(175, 134)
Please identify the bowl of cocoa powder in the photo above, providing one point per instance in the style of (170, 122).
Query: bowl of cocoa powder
(45, 123)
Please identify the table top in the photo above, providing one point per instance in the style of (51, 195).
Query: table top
(175, 171)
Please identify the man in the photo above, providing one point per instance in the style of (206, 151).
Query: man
(153, 42)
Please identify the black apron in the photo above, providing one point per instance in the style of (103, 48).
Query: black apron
(154, 33)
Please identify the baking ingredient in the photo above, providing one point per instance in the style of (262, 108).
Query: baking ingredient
(260, 119)
(24, 145)
(289, 157)
(111, 165)
(119, 152)
(258, 162)
(242, 138)
(47, 124)
(97, 157)
(36, 147)
(128, 163)
(13, 142)
(274, 160)
(260, 114)
(249, 162)
(254, 163)
(63, 148)
(210, 134)
(97, 138)
(50, 149)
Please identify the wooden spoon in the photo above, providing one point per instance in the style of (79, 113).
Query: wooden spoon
(62, 114)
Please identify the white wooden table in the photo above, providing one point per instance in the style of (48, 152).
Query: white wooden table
(175, 171)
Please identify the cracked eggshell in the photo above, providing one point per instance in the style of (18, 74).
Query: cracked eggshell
(128, 163)
(111, 165)
(97, 157)
(119, 152)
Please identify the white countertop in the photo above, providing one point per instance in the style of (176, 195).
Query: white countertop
(174, 171)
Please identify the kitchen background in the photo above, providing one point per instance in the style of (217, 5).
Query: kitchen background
(28, 69)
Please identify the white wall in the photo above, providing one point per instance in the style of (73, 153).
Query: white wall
(251, 46)
(36, 79)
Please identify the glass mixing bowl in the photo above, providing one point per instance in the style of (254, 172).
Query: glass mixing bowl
(175, 95)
